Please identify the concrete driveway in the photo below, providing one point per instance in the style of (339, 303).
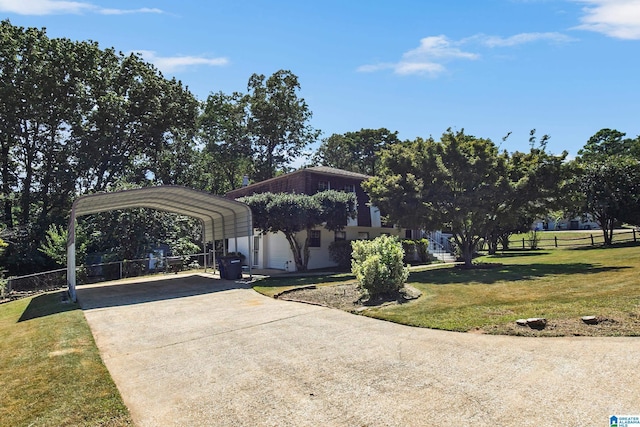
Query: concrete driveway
(194, 351)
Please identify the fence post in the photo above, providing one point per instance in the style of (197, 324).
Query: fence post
(523, 243)
(634, 235)
(120, 264)
(555, 239)
(592, 244)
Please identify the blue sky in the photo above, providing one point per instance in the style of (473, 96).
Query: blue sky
(564, 67)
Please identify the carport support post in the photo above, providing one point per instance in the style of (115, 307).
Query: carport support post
(71, 256)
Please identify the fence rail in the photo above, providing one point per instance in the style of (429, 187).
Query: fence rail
(591, 239)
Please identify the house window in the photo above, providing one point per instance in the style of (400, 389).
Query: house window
(350, 188)
(314, 239)
(363, 235)
(340, 235)
(408, 234)
(323, 185)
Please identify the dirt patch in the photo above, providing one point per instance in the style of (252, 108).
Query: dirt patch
(606, 326)
(346, 296)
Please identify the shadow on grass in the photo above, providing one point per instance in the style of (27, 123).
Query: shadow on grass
(614, 245)
(517, 253)
(47, 304)
(505, 273)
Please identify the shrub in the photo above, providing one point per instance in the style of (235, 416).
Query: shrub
(378, 266)
(409, 248)
(340, 253)
(422, 246)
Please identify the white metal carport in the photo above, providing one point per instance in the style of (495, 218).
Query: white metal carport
(221, 218)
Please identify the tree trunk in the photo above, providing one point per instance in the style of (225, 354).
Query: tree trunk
(301, 265)
(493, 245)
(6, 188)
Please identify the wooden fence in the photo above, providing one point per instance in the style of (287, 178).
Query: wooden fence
(590, 239)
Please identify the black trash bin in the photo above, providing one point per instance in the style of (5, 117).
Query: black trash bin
(230, 267)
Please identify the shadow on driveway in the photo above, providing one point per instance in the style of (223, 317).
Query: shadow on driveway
(150, 289)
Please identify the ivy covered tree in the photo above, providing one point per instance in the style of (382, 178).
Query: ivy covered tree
(295, 215)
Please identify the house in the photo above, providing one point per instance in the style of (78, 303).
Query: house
(272, 250)
(584, 222)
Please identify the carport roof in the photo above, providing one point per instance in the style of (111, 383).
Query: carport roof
(222, 218)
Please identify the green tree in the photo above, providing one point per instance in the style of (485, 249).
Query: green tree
(609, 190)
(292, 214)
(139, 123)
(536, 181)
(609, 142)
(278, 122)
(606, 181)
(355, 151)
(224, 132)
(456, 184)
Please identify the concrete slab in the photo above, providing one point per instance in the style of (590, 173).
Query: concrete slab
(190, 350)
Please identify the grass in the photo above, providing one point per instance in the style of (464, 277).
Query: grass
(51, 373)
(557, 285)
(561, 285)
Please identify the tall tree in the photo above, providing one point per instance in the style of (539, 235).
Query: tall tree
(278, 122)
(137, 118)
(609, 142)
(292, 214)
(224, 132)
(455, 184)
(355, 151)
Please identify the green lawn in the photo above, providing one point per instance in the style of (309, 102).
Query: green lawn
(555, 284)
(51, 373)
(561, 285)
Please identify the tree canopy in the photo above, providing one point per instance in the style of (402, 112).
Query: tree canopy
(606, 180)
(465, 185)
(77, 118)
(355, 151)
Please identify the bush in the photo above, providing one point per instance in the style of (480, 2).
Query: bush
(409, 248)
(378, 266)
(422, 246)
(340, 253)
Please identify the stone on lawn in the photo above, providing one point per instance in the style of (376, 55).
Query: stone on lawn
(536, 322)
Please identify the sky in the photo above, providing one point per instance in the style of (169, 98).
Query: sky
(566, 68)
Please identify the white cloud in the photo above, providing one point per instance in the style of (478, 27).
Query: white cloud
(426, 59)
(129, 11)
(522, 38)
(614, 18)
(170, 64)
(53, 7)
(435, 52)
